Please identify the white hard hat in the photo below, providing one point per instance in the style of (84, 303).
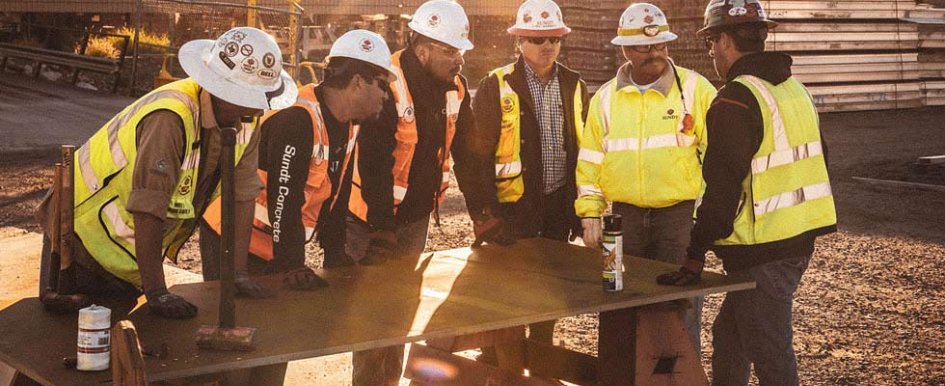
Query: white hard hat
(643, 24)
(242, 67)
(539, 18)
(444, 21)
(366, 46)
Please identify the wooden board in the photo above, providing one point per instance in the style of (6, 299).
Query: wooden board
(449, 293)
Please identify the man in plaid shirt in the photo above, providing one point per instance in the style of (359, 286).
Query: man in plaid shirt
(529, 116)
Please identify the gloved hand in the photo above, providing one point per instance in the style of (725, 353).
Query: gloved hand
(248, 288)
(689, 273)
(170, 306)
(592, 232)
(490, 229)
(383, 246)
(303, 279)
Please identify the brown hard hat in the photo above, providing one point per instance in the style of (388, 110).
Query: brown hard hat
(724, 13)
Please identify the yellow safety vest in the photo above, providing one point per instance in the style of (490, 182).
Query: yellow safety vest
(788, 191)
(640, 148)
(509, 183)
(317, 189)
(104, 167)
(406, 137)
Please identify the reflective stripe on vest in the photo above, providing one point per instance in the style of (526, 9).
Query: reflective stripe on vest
(318, 185)
(510, 185)
(105, 166)
(788, 192)
(406, 137)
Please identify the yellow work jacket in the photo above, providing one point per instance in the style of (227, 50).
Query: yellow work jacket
(104, 167)
(788, 191)
(640, 148)
(509, 183)
(318, 185)
(406, 137)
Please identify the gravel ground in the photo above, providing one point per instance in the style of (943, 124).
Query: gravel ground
(871, 308)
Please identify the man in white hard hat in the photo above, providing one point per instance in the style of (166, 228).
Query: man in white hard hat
(144, 179)
(767, 196)
(304, 163)
(641, 147)
(529, 115)
(427, 122)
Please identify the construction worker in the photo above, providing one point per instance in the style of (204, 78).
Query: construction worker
(640, 149)
(146, 176)
(304, 154)
(530, 114)
(428, 120)
(767, 195)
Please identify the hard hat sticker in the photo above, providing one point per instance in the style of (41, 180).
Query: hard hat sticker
(651, 30)
(231, 49)
(269, 60)
(367, 45)
(434, 21)
(226, 60)
(246, 50)
(249, 65)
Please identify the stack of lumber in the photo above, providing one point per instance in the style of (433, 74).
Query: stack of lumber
(594, 23)
(863, 55)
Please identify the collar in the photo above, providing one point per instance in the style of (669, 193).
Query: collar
(207, 119)
(531, 74)
(663, 85)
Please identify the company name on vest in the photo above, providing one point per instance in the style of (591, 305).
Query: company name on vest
(284, 177)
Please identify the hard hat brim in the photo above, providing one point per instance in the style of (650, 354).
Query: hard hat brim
(704, 31)
(663, 37)
(390, 70)
(528, 33)
(194, 56)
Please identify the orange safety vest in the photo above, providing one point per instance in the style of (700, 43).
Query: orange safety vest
(317, 186)
(406, 137)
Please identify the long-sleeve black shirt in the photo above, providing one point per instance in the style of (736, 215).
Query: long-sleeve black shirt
(377, 144)
(287, 144)
(735, 129)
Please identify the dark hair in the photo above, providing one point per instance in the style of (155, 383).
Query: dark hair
(748, 37)
(341, 70)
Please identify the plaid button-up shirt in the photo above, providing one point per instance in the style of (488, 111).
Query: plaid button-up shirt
(548, 111)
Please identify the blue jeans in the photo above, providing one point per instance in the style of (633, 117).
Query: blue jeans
(663, 234)
(754, 327)
(382, 366)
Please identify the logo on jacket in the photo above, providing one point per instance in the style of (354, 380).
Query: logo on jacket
(185, 186)
(408, 115)
(507, 104)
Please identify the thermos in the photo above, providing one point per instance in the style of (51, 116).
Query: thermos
(613, 253)
(94, 342)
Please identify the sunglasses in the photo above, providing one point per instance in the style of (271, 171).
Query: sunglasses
(648, 48)
(541, 40)
(447, 50)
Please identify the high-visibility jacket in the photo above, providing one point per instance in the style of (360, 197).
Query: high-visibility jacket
(318, 185)
(104, 167)
(643, 148)
(510, 185)
(406, 137)
(788, 191)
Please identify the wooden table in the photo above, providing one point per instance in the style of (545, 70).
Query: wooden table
(445, 294)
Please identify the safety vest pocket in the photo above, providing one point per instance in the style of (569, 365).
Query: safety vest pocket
(118, 230)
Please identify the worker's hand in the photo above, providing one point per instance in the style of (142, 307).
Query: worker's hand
(171, 306)
(304, 279)
(592, 232)
(491, 229)
(689, 273)
(383, 246)
(249, 288)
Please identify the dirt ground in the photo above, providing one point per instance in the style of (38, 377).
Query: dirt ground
(871, 308)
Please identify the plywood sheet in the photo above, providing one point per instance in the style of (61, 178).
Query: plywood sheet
(444, 294)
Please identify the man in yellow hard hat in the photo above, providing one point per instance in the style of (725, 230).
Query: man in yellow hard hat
(641, 144)
(767, 196)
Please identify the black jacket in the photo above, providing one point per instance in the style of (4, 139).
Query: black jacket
(735, 130)
(377, 143)
(521, 214)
